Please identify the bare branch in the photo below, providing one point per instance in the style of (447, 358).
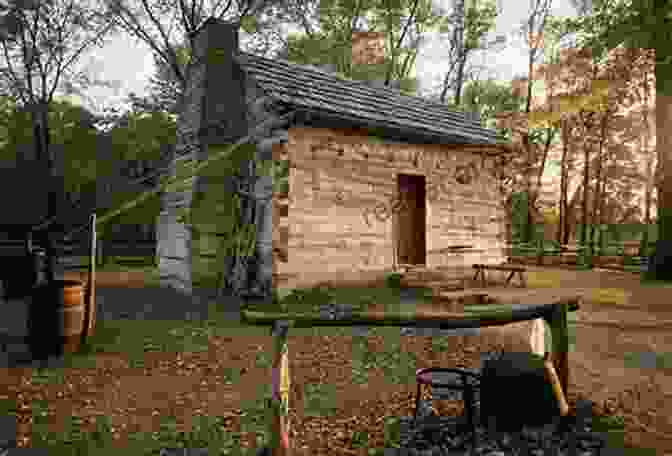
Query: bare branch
(187, 21)
(14, 80)
(221, 15)
(130, 22)
(401, 39)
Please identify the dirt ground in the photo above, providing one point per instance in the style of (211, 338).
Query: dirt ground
(188, 384)
(641, 389)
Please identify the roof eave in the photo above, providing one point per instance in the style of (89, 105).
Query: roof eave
(394, 132)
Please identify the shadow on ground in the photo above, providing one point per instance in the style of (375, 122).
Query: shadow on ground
(160, 303)
(150, 303)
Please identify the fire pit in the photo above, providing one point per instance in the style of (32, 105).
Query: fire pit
(446, 435)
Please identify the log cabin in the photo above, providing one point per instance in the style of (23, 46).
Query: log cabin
(377, 178)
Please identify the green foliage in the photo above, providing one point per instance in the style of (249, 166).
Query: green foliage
(280, 172)
(643, 24)
(303, 298)
(143, 136)
(479, 19)
(333, 43)
(392, 432)
(224, 214)
(490, 98)
(393, 280)
(135, 137)
(320, 399)
(72, 136)
(91, 159)
(519, 208)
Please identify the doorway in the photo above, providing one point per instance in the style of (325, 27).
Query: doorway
(411, 224)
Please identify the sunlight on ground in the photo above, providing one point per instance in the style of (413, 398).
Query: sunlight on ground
(612, 296)
(542, 279)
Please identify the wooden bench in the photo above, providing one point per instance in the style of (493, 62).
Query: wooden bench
(414, 276)
(481, 268)
(569, 254)
(456, 300)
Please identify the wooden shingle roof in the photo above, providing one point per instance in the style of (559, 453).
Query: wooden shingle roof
(312, 90)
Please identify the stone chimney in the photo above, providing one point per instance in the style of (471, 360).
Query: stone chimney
(328, 67)
(214, 113)
(223, 118)
(519, 86)
(394, 84)
(368, 48)
(473, 116)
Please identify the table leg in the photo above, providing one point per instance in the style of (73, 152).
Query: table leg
(560, 342)
(508, 279)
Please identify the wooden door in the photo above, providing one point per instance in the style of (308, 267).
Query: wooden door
(411, 225)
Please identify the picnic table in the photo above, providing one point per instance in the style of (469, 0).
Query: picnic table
(458, 249)
(528, 305)
(481, 268)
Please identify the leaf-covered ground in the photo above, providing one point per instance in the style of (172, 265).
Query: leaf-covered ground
(196, 384)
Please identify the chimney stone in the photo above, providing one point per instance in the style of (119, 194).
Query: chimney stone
(394, 84)
(214, 113)
(328, 67)
(368, 48)
(473, 116)
(223, 113)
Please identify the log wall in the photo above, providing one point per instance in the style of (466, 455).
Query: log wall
(339, 218)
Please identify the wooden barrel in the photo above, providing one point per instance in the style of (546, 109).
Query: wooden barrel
(18, 275)
(56, 318)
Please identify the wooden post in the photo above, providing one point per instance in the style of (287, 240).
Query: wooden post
(552, 377)
(560, 341)
(90, 290)
(279, 426)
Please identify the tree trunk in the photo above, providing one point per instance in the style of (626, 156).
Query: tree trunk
(457, 41)
(562, 222)
(663, 269)
(648, 193)
(44, 157)
(649, 159)
(571, 215)
(598, 183)
(529, 148)
(529, 225)
(586, 174)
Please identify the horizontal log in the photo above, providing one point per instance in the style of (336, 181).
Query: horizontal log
(495, 315)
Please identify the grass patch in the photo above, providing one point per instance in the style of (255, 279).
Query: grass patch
(613, 428)
(309, 299)
(207, 432)
(654, 283)
(133, 261)
(150, 271)
(648, 360)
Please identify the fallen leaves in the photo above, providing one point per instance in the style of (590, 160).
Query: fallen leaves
(205, 384)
